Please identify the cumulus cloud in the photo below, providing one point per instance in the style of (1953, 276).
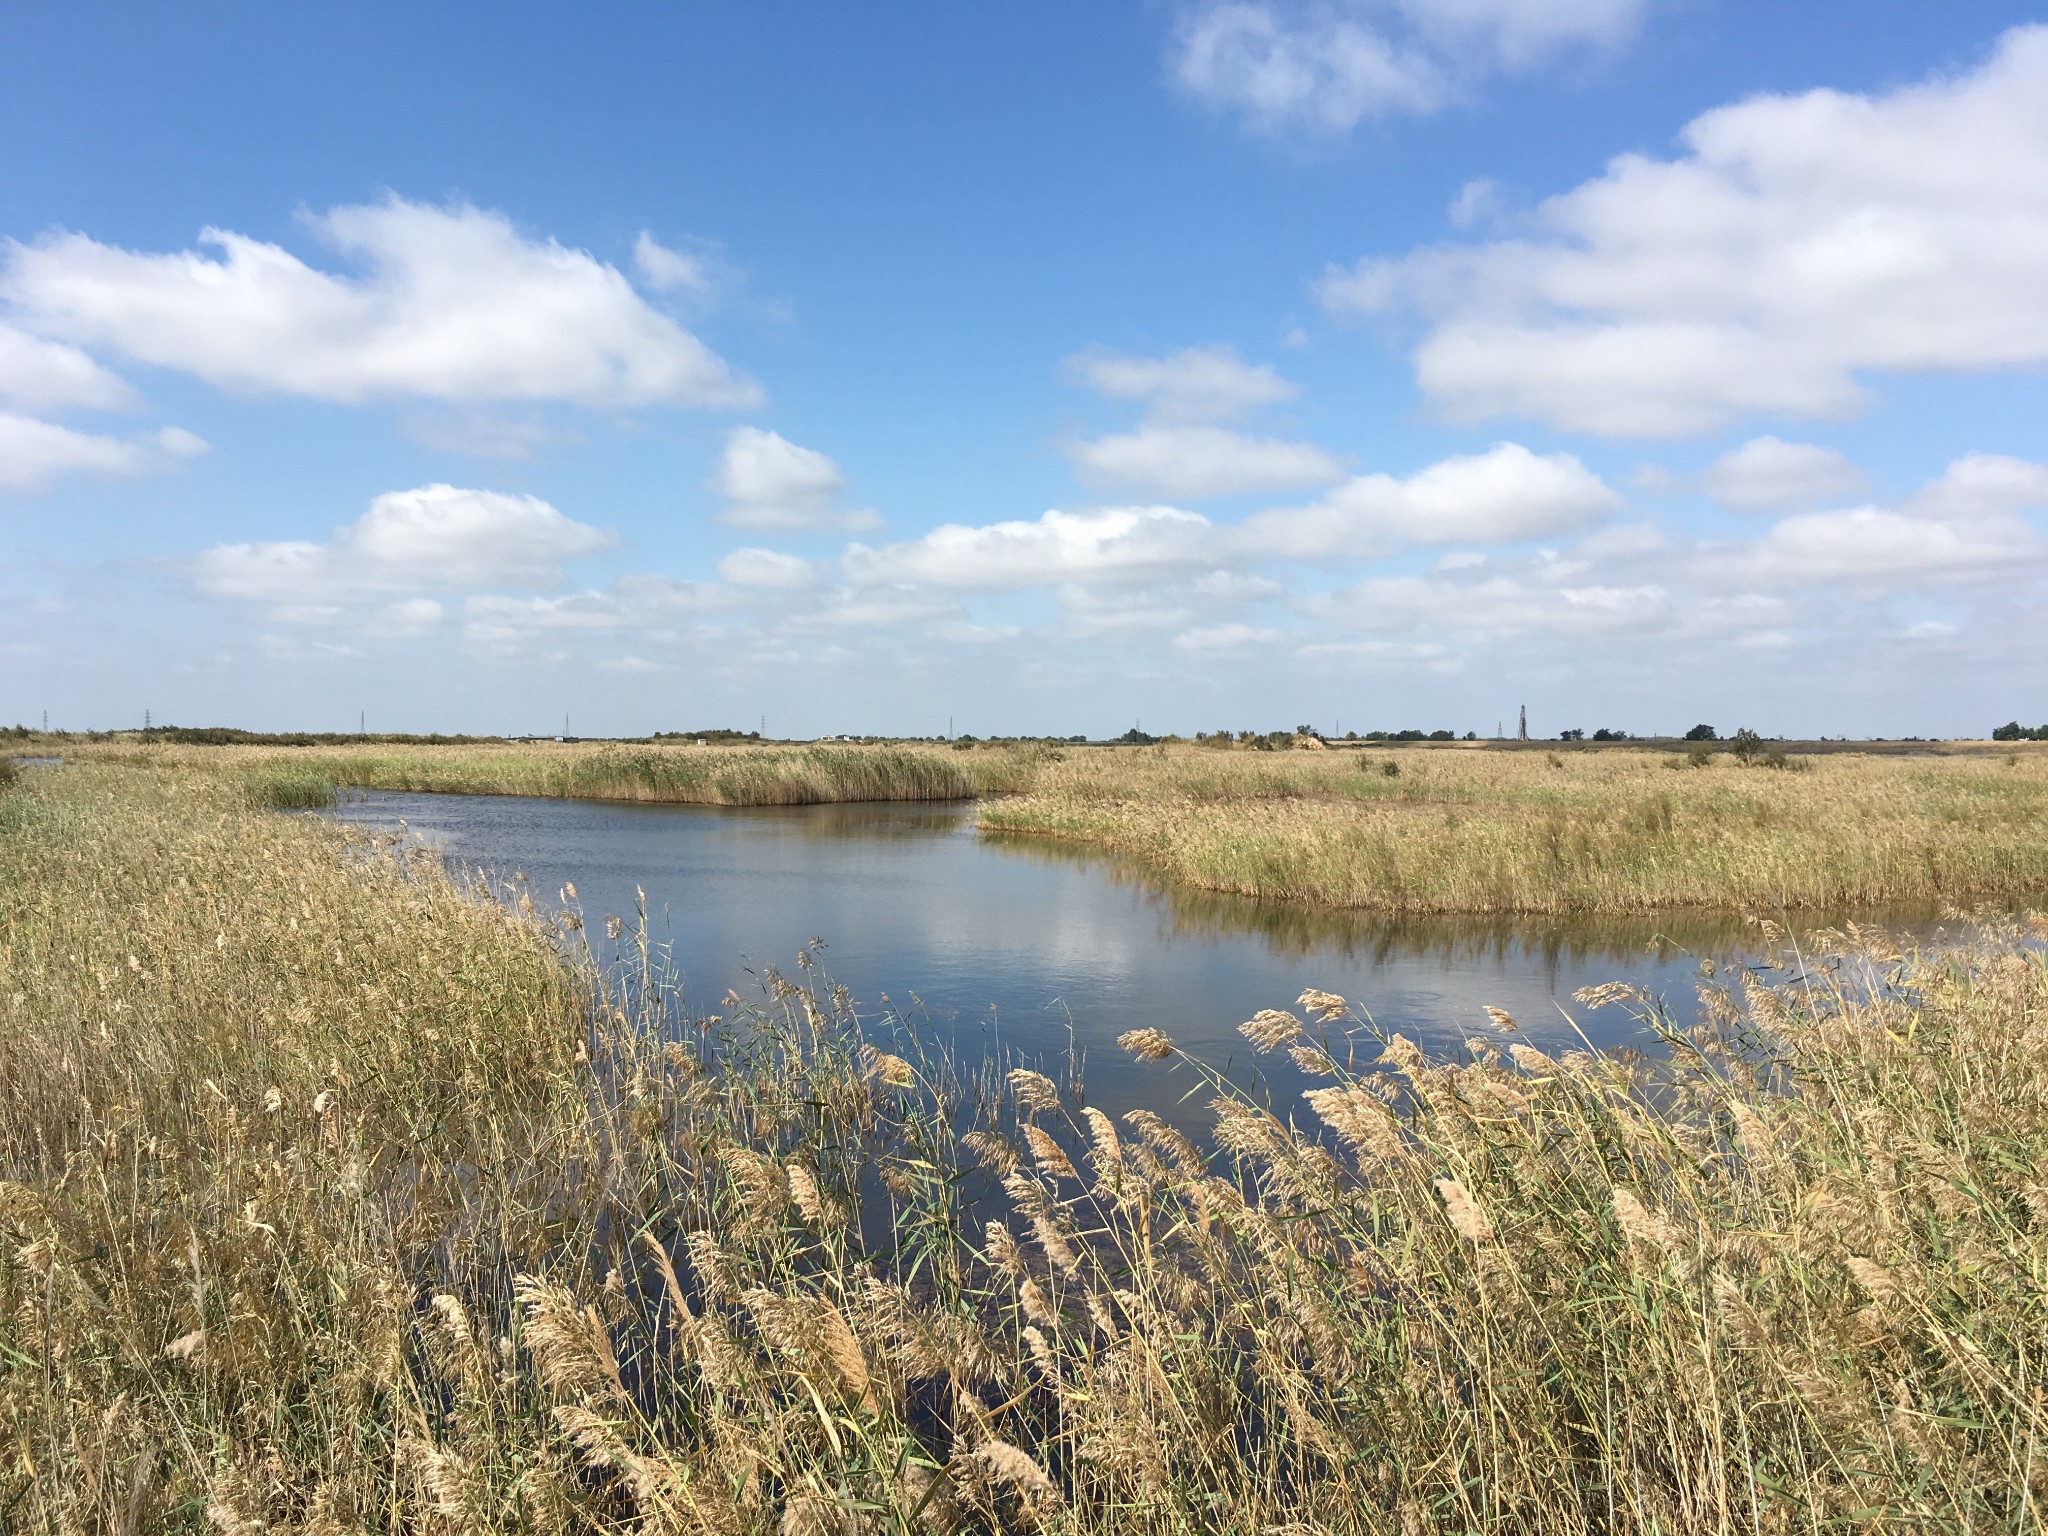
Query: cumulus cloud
(33, 453)
(1196, 461)
(1961, 527)
(1504, 494)
(767, 568)
(1114, 544)
(1326, 65)
(770, 483)
(1796, 244)
(41, 375)
(1872, 542)
(451, 303)
(438, 537)
(1194, 384)
(1982, 485)
(1765, 474)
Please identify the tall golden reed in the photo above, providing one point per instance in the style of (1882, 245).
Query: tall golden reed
(334, 1200)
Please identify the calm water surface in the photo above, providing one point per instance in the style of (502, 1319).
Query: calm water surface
(1029, 946)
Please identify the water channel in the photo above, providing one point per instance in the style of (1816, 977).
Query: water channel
(1029, 947)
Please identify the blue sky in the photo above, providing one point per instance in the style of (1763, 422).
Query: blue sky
(1034, 367)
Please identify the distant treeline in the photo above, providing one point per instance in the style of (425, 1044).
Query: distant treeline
(2012, 730)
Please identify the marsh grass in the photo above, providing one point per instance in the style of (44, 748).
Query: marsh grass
(335, 1199)
(1598, 832)
(1453, 831)
(676, 774)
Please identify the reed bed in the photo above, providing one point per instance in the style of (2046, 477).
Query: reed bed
(675, 774)
(1479, 831)
(1465, 830)
(335, 1198)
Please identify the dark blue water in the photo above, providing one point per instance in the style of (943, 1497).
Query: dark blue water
(1031, 947)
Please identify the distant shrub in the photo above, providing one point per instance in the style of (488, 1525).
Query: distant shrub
(1747, 746)
(1573, 735)
(721, 736)
(1604, 734)
(1703, 733)
(8, 772)
(1698, 757)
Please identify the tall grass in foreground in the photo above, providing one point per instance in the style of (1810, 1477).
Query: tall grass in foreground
(335, 1201)
(1482, 831)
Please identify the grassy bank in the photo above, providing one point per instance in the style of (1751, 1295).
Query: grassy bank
(1489, 831)
(333, 1201)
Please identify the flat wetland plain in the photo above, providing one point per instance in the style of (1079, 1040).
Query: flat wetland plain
(333, 1198)
(1465, 829)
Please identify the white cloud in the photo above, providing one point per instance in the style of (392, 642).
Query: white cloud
(1962, 527)
(32, 452)
(409, 616)
(1215, 638)
(1495, 607)
(874, 610)
(451, 303)
(437, 537)
(1196, 461)
(481, 435)
(767, 568)
(1798, 242)
(665, 270)
(1196, 384)
(41, 375)
(651, 598)
(959, 632)
(1503, 494)
(772, 484)
(1765, 474)
(1477, 201)
(1871, 542)
(630, 665)
(1116, 543)
(1327, 66)
(1982, 485)
(292, 648)
(504, 624)
(1930, 631)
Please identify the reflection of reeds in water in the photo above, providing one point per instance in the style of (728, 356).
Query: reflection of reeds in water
(334, 1202)
(1452, 940)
